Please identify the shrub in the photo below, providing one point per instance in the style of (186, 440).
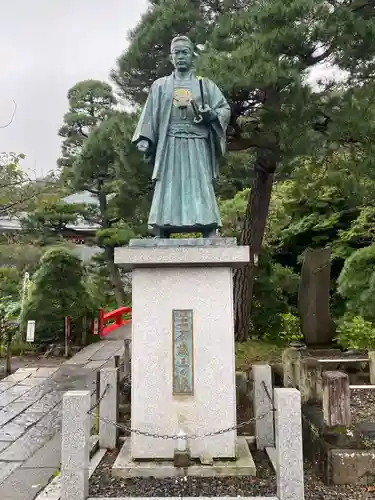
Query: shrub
(354, 332)
(58, 290)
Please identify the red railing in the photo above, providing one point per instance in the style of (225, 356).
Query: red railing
(116, 316)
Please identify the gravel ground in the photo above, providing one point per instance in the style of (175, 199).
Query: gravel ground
(102, 484)
(362, 406)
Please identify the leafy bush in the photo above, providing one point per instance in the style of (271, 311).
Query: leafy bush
(354, 332)
(275, 297)
(58, 290)
(10, 282)
(356, 283)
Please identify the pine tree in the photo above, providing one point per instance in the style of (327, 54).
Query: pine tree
(90, 103)
(260, 53)
(110, 168)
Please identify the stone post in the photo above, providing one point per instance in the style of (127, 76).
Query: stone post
(108, 408)
(289, 456)
(75, 451)
(310, 383)
(127, 367)
(263, 406)
(291, 358)
(313, 297)
(371, 355)
(336, 399)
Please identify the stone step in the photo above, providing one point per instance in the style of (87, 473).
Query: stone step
(125, 467)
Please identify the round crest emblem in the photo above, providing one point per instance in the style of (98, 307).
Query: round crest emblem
(181, 98)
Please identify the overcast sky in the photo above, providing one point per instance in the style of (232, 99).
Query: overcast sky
(46, 46)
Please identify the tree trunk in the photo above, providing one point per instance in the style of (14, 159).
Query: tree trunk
(267, 158)
(118, 286)
(251, 235)
(114, 272)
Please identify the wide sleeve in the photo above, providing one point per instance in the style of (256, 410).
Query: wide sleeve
(147, 127)
(222, 111)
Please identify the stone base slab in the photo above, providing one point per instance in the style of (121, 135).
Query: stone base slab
(186, 256)
(192, 498)
(183, 498)
(243, 465)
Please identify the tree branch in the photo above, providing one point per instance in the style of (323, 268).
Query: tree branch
(12, 117)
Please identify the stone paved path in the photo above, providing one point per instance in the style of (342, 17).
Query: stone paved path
(30, 417)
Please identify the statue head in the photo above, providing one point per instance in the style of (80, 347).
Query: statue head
(182, 53)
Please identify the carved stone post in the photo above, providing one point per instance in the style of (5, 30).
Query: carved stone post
(336, 399)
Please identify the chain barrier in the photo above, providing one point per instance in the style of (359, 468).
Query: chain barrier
(99, 400)
(126, 382)
(155, 435)
(263, 384)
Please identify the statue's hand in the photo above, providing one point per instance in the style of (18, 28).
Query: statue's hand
(207, 113)
(143, 146)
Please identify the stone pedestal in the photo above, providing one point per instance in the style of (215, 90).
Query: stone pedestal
(187, 282)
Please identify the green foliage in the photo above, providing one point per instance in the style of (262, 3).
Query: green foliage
(50, 220)
(254, 351)
(233, 213)
(261, 54)
(23, 257)
(356, 283)
(354, 332)
(58, 290)
(10, 281)
(90, 103)
(110, 167)
(275, 296)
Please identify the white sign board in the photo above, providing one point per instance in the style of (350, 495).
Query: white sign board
(30, 333)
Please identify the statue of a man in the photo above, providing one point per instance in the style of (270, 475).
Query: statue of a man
(182, 132)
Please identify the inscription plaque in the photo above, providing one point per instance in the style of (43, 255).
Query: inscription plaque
(183, 356)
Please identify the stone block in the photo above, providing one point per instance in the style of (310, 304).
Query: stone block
(108, 408)
(52, 421)
(11, 431)
(209, 293)
(26, 445)
(314, 297)
(336, 399)
(182, 242)
(48, 455)
(75, 445)
(16, 377)
(9, 412)
(185, 256)
(371, 355)
(291, 358)
(45, 371)
(4, 445)
(127, 358)
(31, 382)
(12, 394)
(6, 469)
(25, 484)
(351, 467)
(263, 406)
(27, 418)
(47, 402)
(289, 457)
(6, 385)
(310, 383)
(243, 465)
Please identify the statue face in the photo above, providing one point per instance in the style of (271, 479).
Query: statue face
(182, 56)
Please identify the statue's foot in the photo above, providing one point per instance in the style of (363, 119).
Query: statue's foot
(210, 233)
(165, 234)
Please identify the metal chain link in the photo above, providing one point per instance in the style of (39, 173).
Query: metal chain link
(176, 436)
(97, 403)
